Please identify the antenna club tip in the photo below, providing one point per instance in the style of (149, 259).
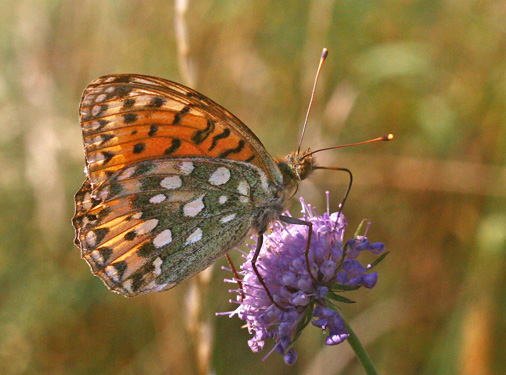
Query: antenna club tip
(325, 53)
(388, 137)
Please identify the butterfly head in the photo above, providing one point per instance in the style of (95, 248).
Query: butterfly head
(297, 166)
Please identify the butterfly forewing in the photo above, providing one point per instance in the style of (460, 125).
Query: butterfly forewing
(130, 118)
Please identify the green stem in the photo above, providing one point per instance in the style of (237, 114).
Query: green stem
(359, 350)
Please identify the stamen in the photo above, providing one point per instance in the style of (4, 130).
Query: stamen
(367, 228)
(270, 352)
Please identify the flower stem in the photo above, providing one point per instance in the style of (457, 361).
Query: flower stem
(359, 350)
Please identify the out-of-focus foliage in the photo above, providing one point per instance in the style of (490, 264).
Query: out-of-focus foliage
(432, 72)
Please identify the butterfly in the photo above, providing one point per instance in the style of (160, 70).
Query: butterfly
(173, 182)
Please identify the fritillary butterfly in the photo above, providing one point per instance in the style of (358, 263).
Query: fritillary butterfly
(173, 181)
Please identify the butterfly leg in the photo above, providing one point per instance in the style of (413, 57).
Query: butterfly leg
(292, 220)
(236, 274)
(260, 242)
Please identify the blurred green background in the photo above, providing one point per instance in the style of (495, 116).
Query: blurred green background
(432, 72)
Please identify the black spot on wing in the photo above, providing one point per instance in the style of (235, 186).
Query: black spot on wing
(122, 91)
(195, 95)
(125, 78)
(128, 103)
(105, 137)
(130, 235)
(120, 267)
(137, 282)
(201, 135)
(104, 212)
(216, 138)
(156, 102)
(146, 249)
(139, 147)
(95, 202)
(102, 124)
(176, 143)
(91, 217)
(130, 117)
(105, 252)
(235, 150)
(100, 233)
(179, 116)
(107, 156)
(152, 130)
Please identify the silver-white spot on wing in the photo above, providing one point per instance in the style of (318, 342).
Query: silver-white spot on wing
(194, 237)
(193, 208)
(147, 226)
(159, 198)
(137, 215)
(127, 284)
(226, 219)
(127, 173)
(94, 125)
(220, 176)
(112, 273)
(97, 257)
(158, 266)
(163, 238)
(186, 167)
(171, 182)
(243, 189)
(91, 238)
(96, 110)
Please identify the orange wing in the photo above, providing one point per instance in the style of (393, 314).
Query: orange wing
(128, 118)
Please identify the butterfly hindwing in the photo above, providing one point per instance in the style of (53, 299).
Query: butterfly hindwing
(157, 222)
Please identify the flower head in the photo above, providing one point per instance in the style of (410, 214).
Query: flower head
(301, 293)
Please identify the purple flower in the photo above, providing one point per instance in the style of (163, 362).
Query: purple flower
(353, 274)
(360, 244)
(301, 294)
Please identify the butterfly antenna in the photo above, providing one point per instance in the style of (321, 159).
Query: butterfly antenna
(385, 138)
(322, 60)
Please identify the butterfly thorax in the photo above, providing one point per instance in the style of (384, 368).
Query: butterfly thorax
(293, 168)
